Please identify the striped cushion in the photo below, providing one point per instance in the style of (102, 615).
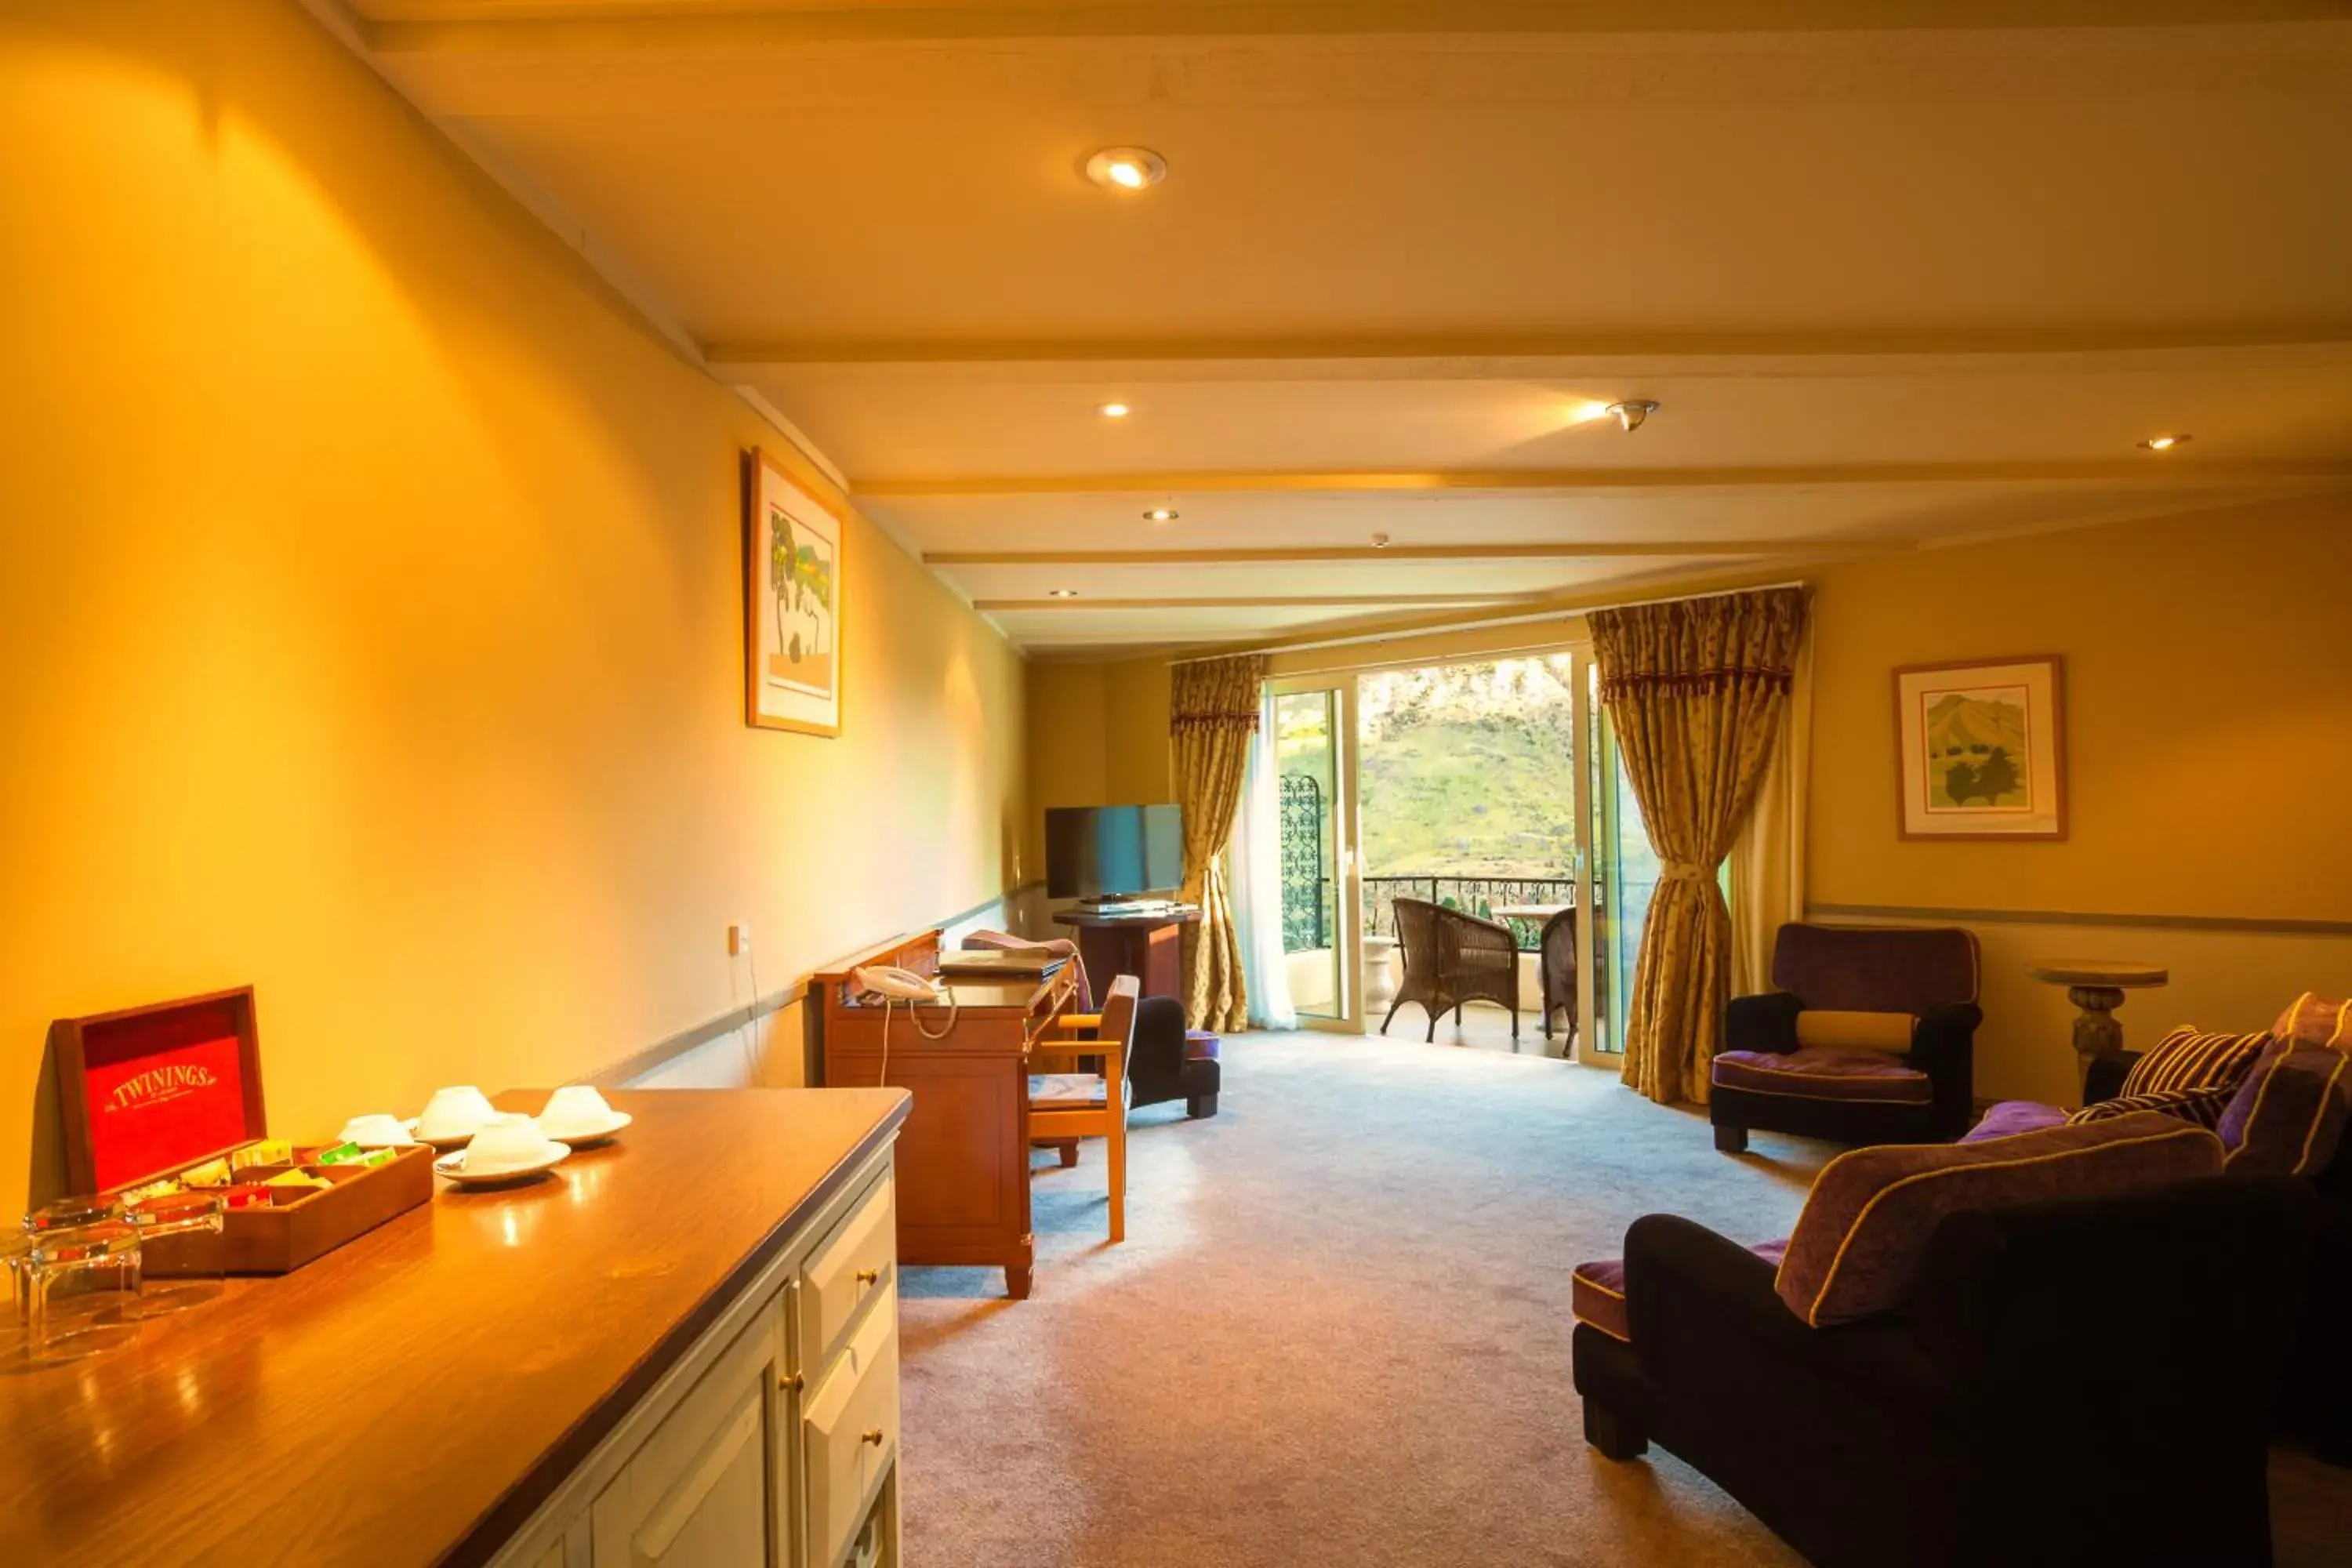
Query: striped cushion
(2288, 1116)
(2193, 1058)
(2315, 1021)
(2201, 1106)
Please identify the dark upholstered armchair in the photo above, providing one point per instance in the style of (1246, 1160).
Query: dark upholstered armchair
(1161, 1066)
(1451, 958)
(1868, 1039)
(1555, 962)
(2035, 1406)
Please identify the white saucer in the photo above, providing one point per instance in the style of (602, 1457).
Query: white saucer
(458, 1141)
(453, 1166)
(611, 1128)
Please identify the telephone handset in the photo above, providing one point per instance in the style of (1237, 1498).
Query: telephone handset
(900, 985)
(895, 986)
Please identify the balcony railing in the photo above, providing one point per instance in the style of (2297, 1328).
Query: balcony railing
(1480, 896)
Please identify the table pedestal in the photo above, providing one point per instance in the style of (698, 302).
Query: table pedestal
(2097, 986)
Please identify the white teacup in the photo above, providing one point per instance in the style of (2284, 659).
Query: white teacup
(457, 1112)
(375, 1132)
(575, 1110)
(505, 1142)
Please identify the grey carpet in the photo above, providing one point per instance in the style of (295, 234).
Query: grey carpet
(1338, 1331)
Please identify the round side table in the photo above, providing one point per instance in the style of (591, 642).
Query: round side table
(2097, 985)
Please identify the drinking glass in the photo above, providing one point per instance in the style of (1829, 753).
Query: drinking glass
(182, 1253)
(81, 1283)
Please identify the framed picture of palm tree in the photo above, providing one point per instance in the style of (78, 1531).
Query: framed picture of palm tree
(1980, 748)
(793, 598)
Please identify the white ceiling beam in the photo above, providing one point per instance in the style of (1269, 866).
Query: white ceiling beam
(2152, 471)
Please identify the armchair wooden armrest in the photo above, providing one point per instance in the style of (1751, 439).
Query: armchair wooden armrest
(1109, 1052)
(1071, 1023)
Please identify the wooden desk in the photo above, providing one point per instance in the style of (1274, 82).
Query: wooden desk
(1150, 947)
(963, 1156)
(471, 1381)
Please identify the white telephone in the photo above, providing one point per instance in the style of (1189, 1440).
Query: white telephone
(901, 984)
(895, 986)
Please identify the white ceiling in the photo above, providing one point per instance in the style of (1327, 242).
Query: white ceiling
(1892, 287)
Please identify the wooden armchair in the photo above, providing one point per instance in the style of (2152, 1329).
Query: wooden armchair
(1066, 1106)
(1451, 958)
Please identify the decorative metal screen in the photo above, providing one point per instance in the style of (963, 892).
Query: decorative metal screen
(1306, 884)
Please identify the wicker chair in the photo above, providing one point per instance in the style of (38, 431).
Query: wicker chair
(1451, 958)
(1556, 966)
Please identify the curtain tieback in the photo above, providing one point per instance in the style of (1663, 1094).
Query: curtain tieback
(1686, 871)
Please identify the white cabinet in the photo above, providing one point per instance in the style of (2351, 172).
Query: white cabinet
(774, 1441)
(695, 1493)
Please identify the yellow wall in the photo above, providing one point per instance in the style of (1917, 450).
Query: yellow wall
(2209, 740)
(1097, 736)
(371, 580)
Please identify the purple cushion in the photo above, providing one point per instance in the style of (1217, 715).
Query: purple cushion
(1865, 1225)
(1199, 1046)
(2011, 1116)
(1819, 1073)
(1596, 1291)
(2288, 1116)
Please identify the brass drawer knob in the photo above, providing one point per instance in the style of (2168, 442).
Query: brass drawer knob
(873, 1436)
(870, 1277)
(790, 1382)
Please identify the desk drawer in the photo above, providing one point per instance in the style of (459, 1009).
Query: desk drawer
(851, 1431)
(851, 1264)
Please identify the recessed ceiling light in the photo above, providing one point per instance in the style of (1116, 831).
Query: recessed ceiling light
(2164, 443)
(1061, 592)
(1160, 514)
(1127, 168)
(1631, 411)
(1116, 411)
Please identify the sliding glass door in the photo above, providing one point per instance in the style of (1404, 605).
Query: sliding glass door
(1314, 724)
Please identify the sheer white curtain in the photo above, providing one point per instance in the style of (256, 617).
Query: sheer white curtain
(1256, 852)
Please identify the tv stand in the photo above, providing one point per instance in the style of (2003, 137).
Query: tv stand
(1150, 947)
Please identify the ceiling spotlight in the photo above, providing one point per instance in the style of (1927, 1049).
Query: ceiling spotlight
(1127, 168)
(1115, 410)
(1160, 514)
(1632, 411)
(2163, 443)
(1061, 592)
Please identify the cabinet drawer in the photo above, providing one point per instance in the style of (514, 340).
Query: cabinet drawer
(852, 1431)
(847, 1268)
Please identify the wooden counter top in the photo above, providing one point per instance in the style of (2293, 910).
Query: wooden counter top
(411, 1397)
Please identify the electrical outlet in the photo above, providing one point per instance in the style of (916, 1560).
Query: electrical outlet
(739, 940)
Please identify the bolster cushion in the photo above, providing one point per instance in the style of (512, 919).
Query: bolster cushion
(1826, 1029)
(2193, 1058)
(1865, 1225)
(1825, 1073)
(2202, 1106)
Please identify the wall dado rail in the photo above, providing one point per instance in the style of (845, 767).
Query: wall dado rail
(2240, 924)
(680, 1349)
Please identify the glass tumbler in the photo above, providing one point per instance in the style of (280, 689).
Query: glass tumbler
(182, 1253)
(83, 1287)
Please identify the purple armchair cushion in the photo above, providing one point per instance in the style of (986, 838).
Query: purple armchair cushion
(2011, 1116)
(2315, 1021)
(2202, 1106)
(2288, 1116)
(1865, 1225)
(1823, 1073)
(1867, 969)
(2193, 1058)
(1596, 1291)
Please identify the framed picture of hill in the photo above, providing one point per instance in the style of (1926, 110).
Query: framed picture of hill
(794, 593)
(1981, 750)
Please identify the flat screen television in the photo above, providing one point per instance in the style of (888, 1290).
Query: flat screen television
(1112, 852)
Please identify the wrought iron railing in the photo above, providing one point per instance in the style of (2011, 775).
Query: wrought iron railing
(1480, 896)
(1308, 912)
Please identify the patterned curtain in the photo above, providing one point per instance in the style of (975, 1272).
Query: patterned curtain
(1695, 689)
(1213, 706)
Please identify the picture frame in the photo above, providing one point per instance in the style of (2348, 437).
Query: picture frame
(795, 590)
(1980, 749)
